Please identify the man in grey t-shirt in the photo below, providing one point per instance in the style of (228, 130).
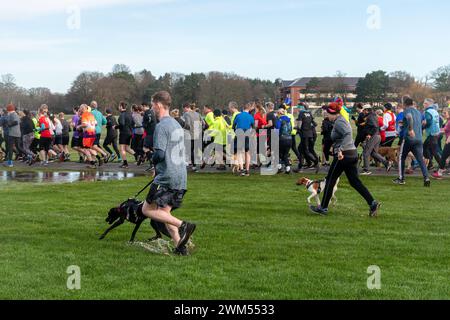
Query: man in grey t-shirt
(170, 184)
(193, 135)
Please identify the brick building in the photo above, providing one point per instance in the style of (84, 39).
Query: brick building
(295, 89)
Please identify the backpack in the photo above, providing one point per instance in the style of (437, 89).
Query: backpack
(286, 127)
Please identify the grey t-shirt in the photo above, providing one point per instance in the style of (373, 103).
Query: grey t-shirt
(194, 123)
(169, 138)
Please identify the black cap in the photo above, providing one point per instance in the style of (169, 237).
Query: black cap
(388, 106)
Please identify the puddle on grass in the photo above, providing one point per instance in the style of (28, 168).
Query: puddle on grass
(63, 177)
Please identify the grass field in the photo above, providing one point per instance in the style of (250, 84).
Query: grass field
(255, 240)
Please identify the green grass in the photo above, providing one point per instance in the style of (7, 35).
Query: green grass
(255, 240)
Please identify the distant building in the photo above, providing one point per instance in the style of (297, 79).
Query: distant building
(328, 86)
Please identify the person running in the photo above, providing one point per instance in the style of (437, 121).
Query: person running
(327, 142)
(111, 136)
(125, 127)
(193, 133)
(411, 130)
(14, 134)
(101, 122)
(170, 184)
(46, 134)
(306, 128)
(58, 135)
(261, 134)
(297, 152)
(149, 122)
(65, 155)
(88, 124)
(446, 152)
(373, 140)
(271, 121)
(389, 121)
(360, 123)
(77, 137)
(234, 110)
(345, 160)
(284, 127)
(432, 133)
(27, 129)
(219, 133)
(137, 140)
(243, 126)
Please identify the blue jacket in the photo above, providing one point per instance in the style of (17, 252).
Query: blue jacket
(432, 122)
(101, 120)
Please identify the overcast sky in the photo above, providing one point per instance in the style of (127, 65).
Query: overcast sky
(48, 43)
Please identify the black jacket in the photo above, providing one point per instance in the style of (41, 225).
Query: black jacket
(372, 128)
(327, 128)
(111, 121)
(26, 125)
(126, 124)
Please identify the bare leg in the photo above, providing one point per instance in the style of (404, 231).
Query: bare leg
(160, 214)
(173, 233)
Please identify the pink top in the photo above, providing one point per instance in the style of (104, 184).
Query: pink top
(447, 129)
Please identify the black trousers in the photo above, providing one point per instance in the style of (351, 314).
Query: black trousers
(111, 141)
(431, 149)
(360, 138)
(307, 148)
(13, 142)
(285, 147)
(297, 152)
(349, 165)
(326, 148)
(137, 144)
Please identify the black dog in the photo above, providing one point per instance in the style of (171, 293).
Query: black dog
(131, 211)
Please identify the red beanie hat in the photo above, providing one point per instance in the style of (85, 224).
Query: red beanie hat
(10, 107)
(334, 108)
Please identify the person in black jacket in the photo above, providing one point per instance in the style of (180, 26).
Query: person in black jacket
(27, 129)
(126, 125)
(111, 136)
(306, 128)
(327, 142)
(360, 123)
(149, 122)
(372, 141)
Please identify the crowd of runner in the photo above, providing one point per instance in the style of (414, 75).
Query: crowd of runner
(421, 132)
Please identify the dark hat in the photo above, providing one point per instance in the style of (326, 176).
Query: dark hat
(334, 108)
(388, 106)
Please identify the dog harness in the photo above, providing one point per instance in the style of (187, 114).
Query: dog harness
(319, 189)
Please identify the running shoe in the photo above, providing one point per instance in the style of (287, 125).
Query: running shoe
(374, 208)
(185, 231)
(399, 181)
(318, 210)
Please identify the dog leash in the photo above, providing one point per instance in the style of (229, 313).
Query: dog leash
(148, 185)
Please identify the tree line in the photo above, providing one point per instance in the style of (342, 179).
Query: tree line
(213, 88)
(216, 88)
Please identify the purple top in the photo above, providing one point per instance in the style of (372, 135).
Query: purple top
(75, 122)
(447, 129)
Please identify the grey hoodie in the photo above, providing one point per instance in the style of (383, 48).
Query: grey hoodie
(14, 131)
(342, 135)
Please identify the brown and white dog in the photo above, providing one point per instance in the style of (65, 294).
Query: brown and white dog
(316, 188)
